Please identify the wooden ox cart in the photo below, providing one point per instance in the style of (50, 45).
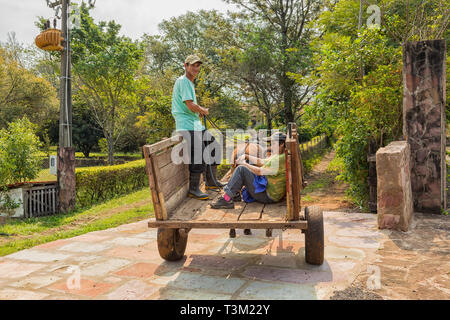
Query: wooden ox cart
(176, 214)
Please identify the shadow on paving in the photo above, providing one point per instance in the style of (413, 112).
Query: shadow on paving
(235, 271)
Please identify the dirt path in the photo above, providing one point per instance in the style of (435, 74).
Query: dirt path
(324, 190)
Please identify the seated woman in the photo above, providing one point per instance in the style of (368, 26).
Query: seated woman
(265, 181)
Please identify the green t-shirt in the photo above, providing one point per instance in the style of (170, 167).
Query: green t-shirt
(185, 119)
(276, 186)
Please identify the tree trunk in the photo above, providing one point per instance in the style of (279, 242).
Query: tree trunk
(286, 83)
(110, 150)
(269, 122)
(288, 114)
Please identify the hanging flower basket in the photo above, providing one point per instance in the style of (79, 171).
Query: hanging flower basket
(50, 40)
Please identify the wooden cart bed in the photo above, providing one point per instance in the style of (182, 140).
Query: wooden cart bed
(197, 214)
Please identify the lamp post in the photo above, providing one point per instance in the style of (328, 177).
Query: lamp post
(51, 40)
(56, 40)
(66, 152)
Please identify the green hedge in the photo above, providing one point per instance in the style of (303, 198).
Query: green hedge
(98, 184)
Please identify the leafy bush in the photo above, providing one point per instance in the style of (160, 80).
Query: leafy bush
(103, 145)
(261, 127)
(99, 184)
(19, 152)
(359, 99)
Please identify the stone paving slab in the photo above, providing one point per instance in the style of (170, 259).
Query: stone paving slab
(38, 256)
(123, 263)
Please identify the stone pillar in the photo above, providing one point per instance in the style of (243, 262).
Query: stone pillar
(424, 121)
(394, 195)
(66, 179)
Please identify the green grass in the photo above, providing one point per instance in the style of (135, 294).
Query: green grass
(321, 183)
(78, 222)
(309, 198)
(44, 175)
(336, 165)
(313, 159)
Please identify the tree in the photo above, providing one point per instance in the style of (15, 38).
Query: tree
(19, 147)
(291, 23)
(228, 110)
(363, 109)
(104, 66)
(252, 67)
(85, 130)
(23, 93)
(156, 120)
(416, 20)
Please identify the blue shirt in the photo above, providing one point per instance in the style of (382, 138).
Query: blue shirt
(185, 119)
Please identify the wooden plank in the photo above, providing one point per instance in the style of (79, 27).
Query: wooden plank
(300, 177)
(274, 212)
(164, 158)
(45, 203)
(189, 209)
(151, 182)
(173, 224)
(53, 201)
(295, 187)
(233, 214)
(252, 212)
(171, 170)
(297, 178)
(289, 199)
(159, 192)
(302, 170)
(42, 200)
(171, 186)
(33, 203)
(209, 214)
(164, 144)
(176, 199)
(39, 201)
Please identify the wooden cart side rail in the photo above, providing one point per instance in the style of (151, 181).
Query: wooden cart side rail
(294, 174)
(152, 184)
(164, 144)
(173, 224)
(289, 192)
(168, 182)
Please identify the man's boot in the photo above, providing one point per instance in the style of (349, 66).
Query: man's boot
(194, 190)
(212, 182)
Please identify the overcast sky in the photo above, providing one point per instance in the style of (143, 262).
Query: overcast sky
(136, 16)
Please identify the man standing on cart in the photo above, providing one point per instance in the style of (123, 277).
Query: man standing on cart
(186, 113)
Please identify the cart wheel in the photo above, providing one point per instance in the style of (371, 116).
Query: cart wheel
(171, 244)
(314, 238)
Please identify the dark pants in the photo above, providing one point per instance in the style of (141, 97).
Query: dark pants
(198, 141)
(243, 177)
